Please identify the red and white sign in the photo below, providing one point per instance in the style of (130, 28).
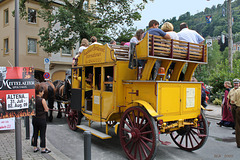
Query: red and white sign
(7, 124)
(17, 92)
(46, 75)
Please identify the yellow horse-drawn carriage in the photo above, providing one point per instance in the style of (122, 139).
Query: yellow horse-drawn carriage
(140, 108)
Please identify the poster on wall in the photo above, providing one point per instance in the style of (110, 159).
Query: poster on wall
(7, 124)
(17, 92)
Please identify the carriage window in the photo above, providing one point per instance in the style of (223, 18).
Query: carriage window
(98, 78)
(108, 79)
(88, 82)
(77, 78)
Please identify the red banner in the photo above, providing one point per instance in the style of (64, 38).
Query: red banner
(17, 92)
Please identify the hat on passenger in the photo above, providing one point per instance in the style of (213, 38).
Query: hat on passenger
(236, 80)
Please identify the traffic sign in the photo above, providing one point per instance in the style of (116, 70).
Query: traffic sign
(46, 75)
(46, 61)
(209, 42)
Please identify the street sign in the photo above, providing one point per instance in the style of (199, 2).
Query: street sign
(46, 75)
(209, 42)
(46, 61)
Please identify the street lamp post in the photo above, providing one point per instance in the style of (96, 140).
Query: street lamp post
(230, 37)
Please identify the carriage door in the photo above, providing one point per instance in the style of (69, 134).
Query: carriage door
(107, 92)
(97, 93)
(76, 98)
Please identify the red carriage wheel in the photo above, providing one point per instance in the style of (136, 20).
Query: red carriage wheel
(72, 119)
(138, 134)
(67, 109)
(191, 138)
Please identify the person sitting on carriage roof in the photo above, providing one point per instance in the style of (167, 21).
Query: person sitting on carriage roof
(94, 40)
(84, 45)
(168, 28)
(154, 30)
(189, 35)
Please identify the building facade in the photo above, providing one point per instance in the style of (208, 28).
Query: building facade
(30, 53)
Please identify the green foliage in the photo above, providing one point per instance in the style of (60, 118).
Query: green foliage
(217, 101)
(74, 20)
(126, 34)
(218, 24)
(222, 73)
(217, 71)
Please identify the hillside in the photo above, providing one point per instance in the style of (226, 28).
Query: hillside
(218, 24)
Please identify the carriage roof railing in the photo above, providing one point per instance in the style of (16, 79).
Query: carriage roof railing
(151, 47)
(157, 47)
(120, 52)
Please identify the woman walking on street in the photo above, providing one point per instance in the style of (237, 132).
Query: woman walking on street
(227, 118)
(39, 121)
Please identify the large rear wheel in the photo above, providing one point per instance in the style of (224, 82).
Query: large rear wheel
(138, 134)
(191, 138)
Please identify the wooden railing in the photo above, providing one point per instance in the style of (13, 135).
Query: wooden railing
(175, 49)
(120, 52)
(161, 48)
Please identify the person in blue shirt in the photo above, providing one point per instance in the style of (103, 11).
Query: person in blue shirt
(154, 30)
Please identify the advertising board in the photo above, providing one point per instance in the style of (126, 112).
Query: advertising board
(17, 92)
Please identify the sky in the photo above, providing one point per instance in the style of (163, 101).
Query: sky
(167, 9)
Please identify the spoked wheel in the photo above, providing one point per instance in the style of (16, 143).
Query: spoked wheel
(72, 119)
(138, 134)
(191, 138)
(67, 109)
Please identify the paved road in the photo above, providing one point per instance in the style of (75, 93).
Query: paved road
(66, 144)
(220, 144)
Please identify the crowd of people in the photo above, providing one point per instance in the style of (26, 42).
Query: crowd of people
(231, 108)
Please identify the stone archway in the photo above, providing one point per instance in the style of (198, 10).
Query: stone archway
(58, 75)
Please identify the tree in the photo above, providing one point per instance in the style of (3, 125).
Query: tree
(75, 20)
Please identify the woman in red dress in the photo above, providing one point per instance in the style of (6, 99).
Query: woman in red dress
(227, 118)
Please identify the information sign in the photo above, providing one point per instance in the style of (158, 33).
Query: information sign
(46, 61)
(7, 124)
(17, 92)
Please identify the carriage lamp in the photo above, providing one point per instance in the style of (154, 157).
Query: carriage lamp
(161, 72)
(160, 121)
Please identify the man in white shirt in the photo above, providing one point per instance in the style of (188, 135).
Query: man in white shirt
(94, 40)
(189, 35)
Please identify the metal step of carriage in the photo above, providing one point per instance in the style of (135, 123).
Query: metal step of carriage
(94, 132)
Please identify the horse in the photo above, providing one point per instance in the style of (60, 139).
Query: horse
(49, 95)
(63, 93)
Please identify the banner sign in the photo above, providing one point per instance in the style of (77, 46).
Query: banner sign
(7, 124)
(209, 19)
(17, 92)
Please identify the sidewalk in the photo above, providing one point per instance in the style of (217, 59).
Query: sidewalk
(8, 149)
(216, 112)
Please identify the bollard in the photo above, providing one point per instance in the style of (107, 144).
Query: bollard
(87, 145)
(18, 139)
(27, 127)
